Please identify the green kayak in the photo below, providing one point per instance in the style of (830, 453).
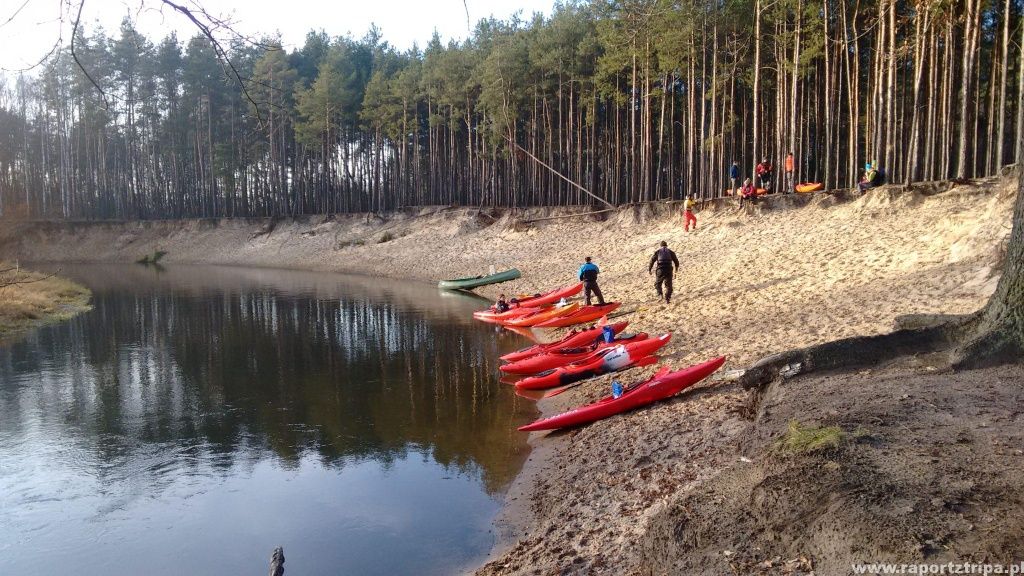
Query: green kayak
(477, 281)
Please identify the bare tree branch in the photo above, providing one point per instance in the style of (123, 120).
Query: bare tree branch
(74, 55)
(16, 281)
(16, 12)
(222, 54)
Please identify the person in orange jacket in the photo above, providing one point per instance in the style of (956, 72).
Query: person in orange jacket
(790, 166)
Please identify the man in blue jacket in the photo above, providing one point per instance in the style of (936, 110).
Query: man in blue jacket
(588, 275)
(734, 177)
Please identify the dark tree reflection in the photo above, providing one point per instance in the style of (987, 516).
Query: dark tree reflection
(225, 365)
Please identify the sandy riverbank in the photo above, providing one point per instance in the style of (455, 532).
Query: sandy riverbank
(790, 272)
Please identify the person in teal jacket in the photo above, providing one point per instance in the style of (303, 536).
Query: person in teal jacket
(588, 275)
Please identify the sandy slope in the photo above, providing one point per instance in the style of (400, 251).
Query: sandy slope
(790, 272)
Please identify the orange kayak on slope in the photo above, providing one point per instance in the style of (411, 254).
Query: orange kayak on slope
(511, 314)
(809, 187)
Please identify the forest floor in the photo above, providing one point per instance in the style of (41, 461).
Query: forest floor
(31, 299)
(920, 467)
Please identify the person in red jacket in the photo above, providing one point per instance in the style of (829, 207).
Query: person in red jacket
(748, 192)
(764, 174)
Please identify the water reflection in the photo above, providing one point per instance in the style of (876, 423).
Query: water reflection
(289, 406)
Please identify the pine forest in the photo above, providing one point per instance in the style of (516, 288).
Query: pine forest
(602, 102)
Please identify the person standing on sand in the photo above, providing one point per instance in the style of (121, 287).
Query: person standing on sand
(665, 259)
(790, 165)
(588, 275)
(688, 206)
(734, 177)
(764, 173)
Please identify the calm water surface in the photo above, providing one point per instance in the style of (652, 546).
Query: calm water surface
(200, 416)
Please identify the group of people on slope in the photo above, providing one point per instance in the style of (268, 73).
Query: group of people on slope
(664, 263)
(764, 172)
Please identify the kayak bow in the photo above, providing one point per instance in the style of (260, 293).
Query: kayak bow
(660, 386)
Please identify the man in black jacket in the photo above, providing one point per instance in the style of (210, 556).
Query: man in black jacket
(665, 259)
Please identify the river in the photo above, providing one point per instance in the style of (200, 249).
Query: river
(200, 416)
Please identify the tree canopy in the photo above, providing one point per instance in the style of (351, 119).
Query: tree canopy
(635, 100)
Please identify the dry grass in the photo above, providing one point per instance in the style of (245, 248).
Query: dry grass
(800, 439)
(30, 299)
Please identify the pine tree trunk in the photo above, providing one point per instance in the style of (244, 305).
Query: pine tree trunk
(1000, 334)
(757, 82)
(1004, 76)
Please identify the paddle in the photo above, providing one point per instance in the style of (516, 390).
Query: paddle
(645, 361)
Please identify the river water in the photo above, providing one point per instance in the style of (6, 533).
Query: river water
(200, 416)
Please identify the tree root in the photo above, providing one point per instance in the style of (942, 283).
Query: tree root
(929, 334)
(970, 342)
(987, 348)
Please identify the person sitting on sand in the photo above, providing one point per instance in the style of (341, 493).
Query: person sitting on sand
(501, 305)
(665, 259)
(588, 275)
(748, 192)
(870, 177)
(688, 206)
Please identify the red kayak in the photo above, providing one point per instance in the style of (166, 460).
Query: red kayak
(563, 356)
(600, 362)
(662, 385)
(499, 317)
(582, 315)
(550, 297)
(545, 314)
(573, 339)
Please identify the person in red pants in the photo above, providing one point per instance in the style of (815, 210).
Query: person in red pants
(688, 206)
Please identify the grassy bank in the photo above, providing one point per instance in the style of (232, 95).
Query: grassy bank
(30, 299)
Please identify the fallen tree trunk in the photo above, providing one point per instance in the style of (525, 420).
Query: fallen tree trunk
(563, 216)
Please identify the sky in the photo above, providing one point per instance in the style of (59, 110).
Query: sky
(30, 28)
